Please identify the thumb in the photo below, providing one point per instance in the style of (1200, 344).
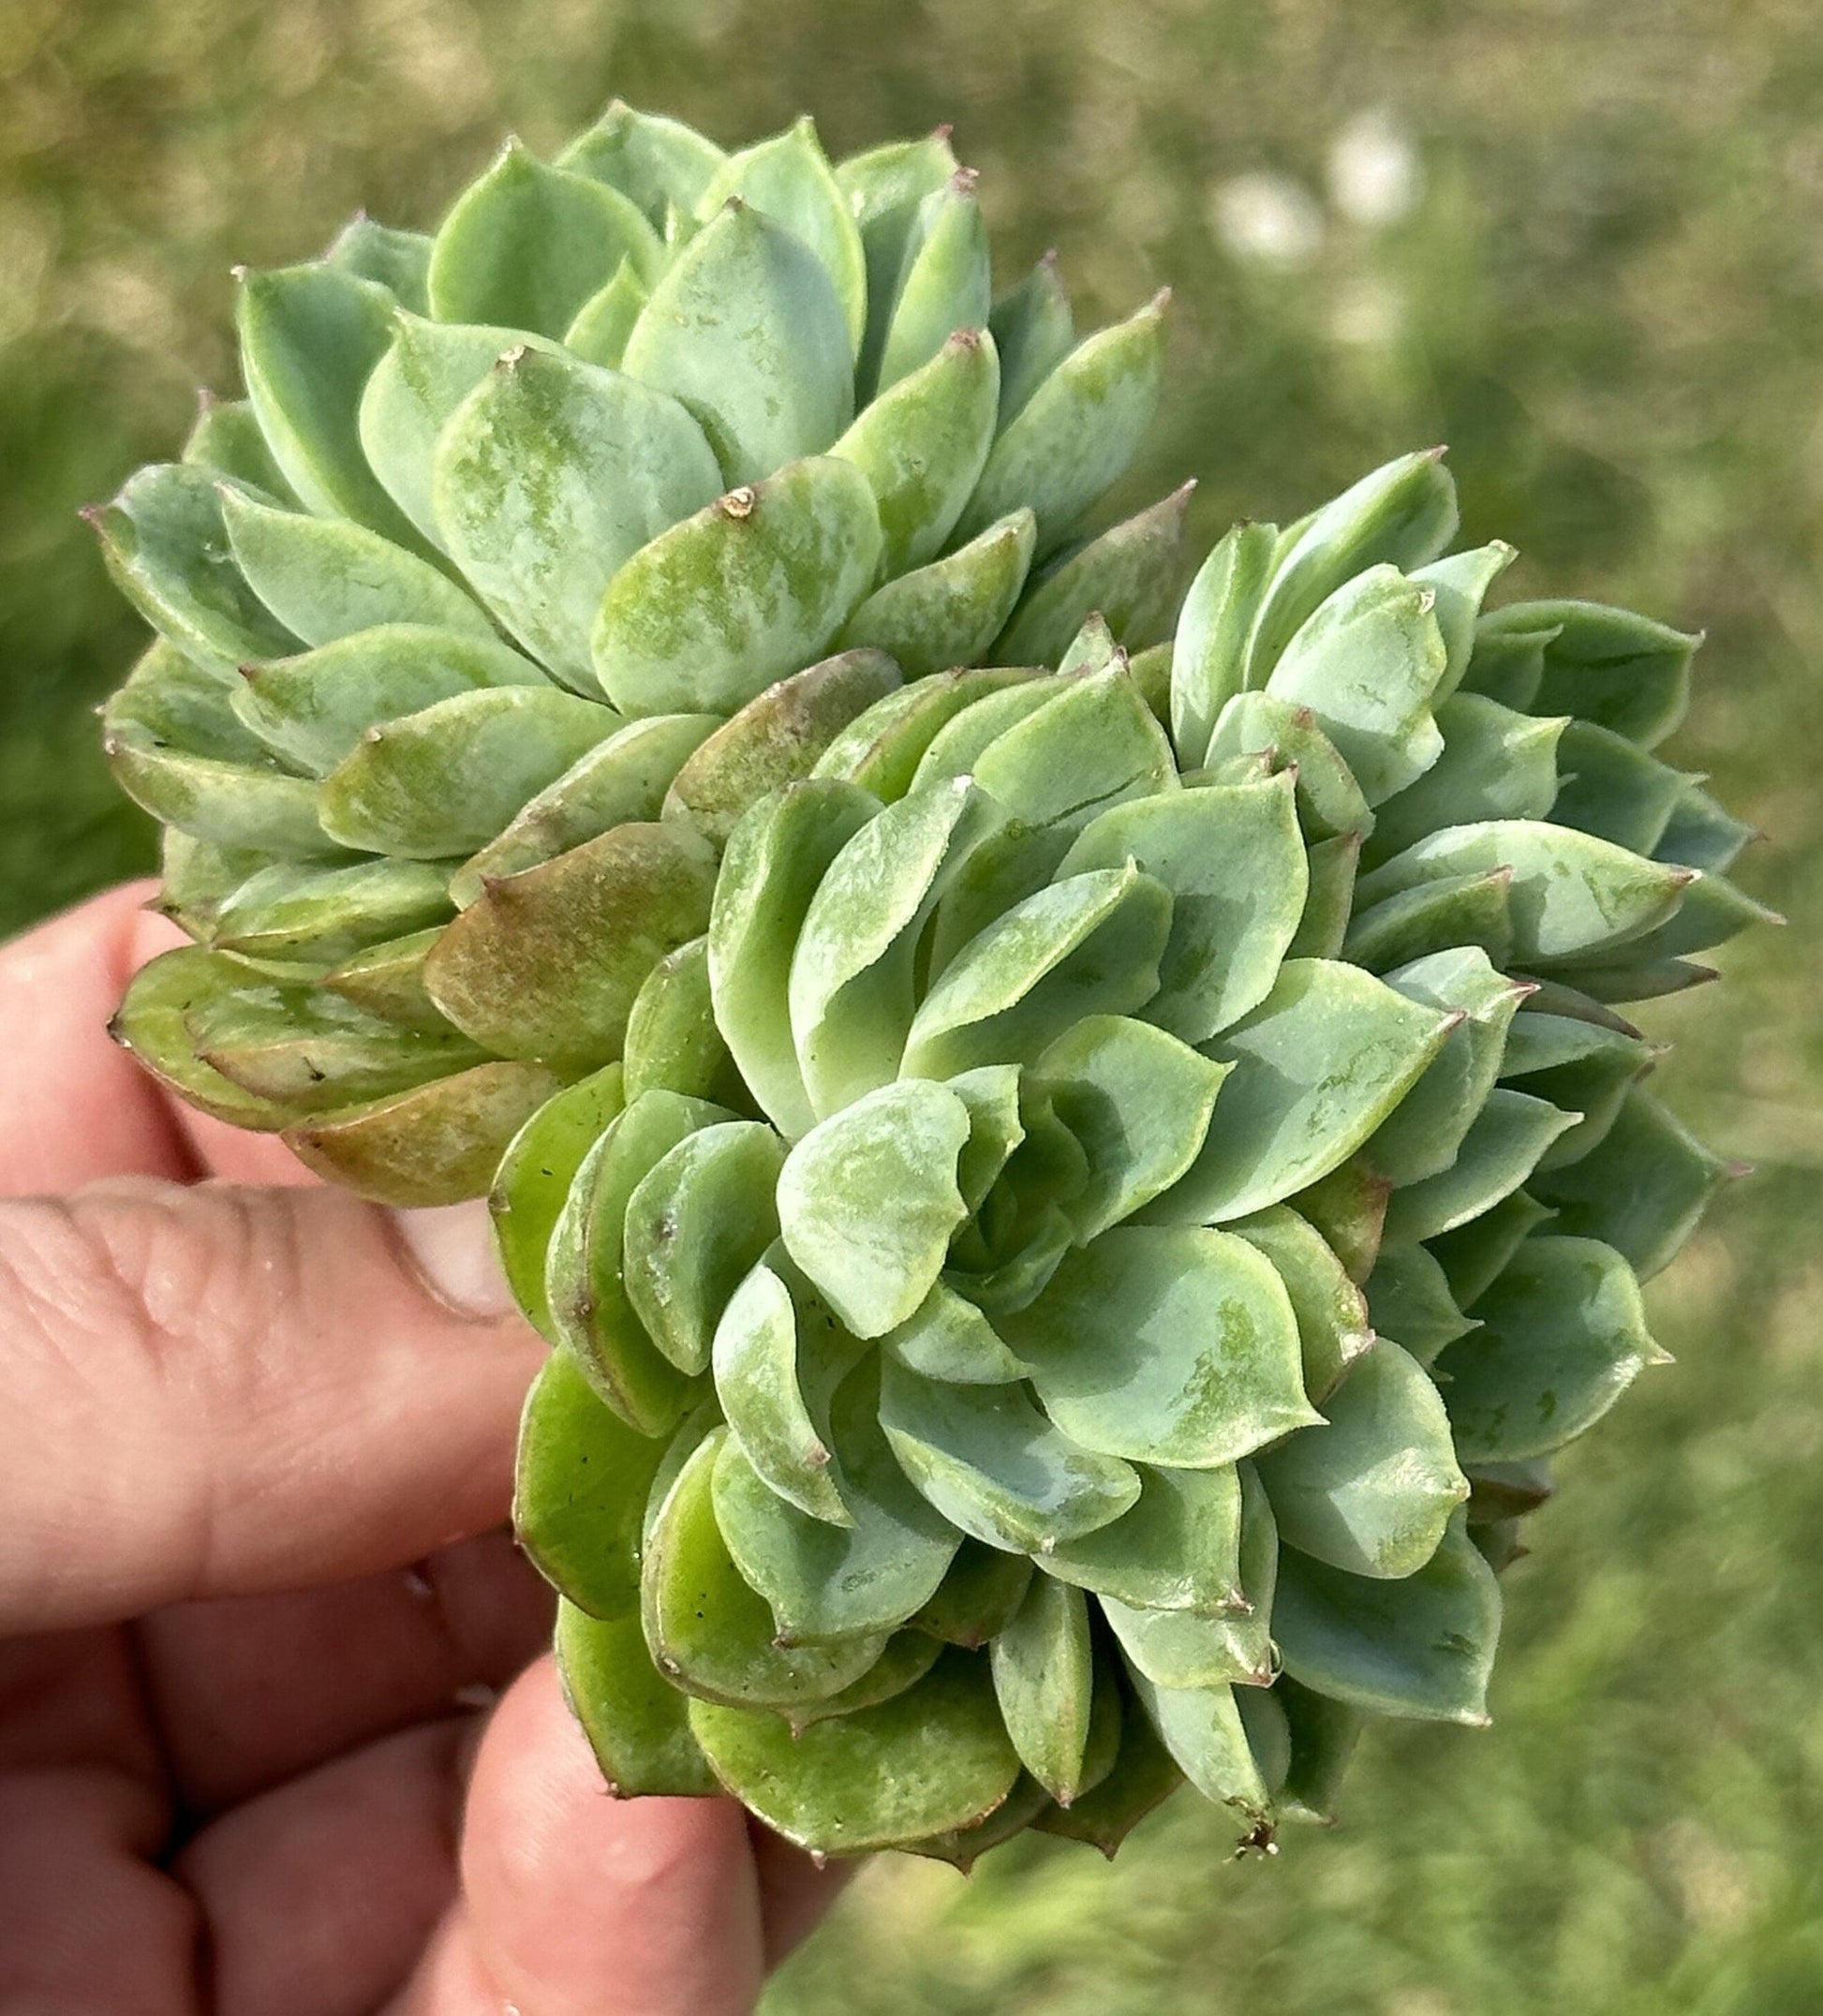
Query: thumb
(213, 1391)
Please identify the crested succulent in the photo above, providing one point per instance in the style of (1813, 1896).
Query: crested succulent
(1075, 1182)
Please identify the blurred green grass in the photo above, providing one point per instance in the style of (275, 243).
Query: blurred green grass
(1598, 275)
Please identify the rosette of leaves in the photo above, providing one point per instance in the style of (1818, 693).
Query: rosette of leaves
(1078, 1272)
(537, 547)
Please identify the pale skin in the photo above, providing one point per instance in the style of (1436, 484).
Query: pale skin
(257, 1601)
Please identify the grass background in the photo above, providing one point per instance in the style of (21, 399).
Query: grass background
(1604, 288)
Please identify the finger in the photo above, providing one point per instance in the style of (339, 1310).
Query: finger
(250, 1690)
(318, 1896)
(76, 1105)
(575, 1904)
(87, 1925)
(208, 1391)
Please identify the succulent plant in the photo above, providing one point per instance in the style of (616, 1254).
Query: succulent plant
(1074, 1197)
(503, 558)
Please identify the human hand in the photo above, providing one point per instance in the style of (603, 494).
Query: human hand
(256, 1449)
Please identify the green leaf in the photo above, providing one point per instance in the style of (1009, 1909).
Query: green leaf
(1165, 1344)
(1641, 1190)
(995, 1467)
(315, 709)
(765, 1355)
(1499, 1152)
(1456, 913)
(748, 589)
(1035, 332)
(1323, 929)
(1138, 1101)
(430, 369)
(884, 189)
(305, 913)
(977, 1596)
(586, 1266)
(1506, 662)
(1422, 1647)
(227, 440)
(776, 738)
(1460, 583)
(625, 777)
(943, 285)
(579, 1491)
(1209, 662)
(1321, 1735)
(152, 1023)
(1201, 1729)
(1474, 1255)
(324, 577)
(438, 1143)
(909, 1656)
(1092, 743)
(788, 179)
(884, 747)
(1318, 1065)
(852, 990)
(1348, 1207)
(1043, 1679)
(397, 260)
(526, 246)
(867, 1201)
(604, 321)
(1130, 577)
(948, 612)
(1609, 666)
(1078, 432)
(1178, 1550)
(1570, 893)
(1402, 516)
(1234, 862)
(165, 547)
(1564, 1336)
(775, 858)
(922, 446)
(696, 1227)
(1366, 664)
(746, 328)
(446, 780)
(388, 979)
(548, 963)
(1329, 800)
(660, 163)
(824, 1582)
(1423, 1134)
(962, 1847)
(1612, 788)
(547, 479)
(1701, 834)
(1371, 1492)
(534, 1179)
(1409, 1298)
(711, 1635)
(933, 1759)
(636, 1722)
(1333, 1330)
(947, 1338)
(1495, 764)
(673, 1043)
(1088, 946)
(310, 337)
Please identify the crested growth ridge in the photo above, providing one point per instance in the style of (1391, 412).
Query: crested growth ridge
(1075, 1141)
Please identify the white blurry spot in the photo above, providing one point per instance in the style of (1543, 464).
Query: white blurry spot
(1375, 177)
(1266, 217)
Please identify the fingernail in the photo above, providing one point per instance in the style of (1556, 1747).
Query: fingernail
(452, 1246)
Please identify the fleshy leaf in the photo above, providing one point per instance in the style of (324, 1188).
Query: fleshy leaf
(548, 478)
(1422, 1647)
(750, 588)
(636, 1722)
(1130, 576)
(1209, 662)
(943, 284)
(1495, 764)
(1609, 666)
(526, 246)
(867, 1201)
(1179, 1549)
(1409, 1298)
(949, 1339)
(933, 1759)
(1317, 1067)
(1373, 1491)
(660, 163)
(1034, 331)
(1201, 1729)
(1165, 1344)
(1564, 1336)
(948, 612)
(534, 1179)
(672, 1039)
(1333, 1330)
(995, 1467)
(1498, 1153)
(747, 329)
(1043, 1680)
